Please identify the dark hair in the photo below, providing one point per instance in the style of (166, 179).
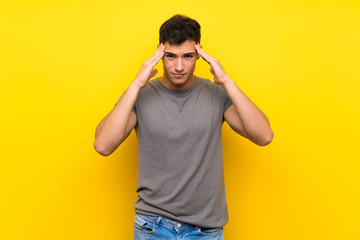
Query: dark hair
(178, 29)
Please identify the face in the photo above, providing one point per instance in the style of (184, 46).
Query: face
(179, 65)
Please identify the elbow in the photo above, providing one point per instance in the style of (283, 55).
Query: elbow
(101, 149)
(267, 139)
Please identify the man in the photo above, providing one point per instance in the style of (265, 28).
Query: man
(178, 120)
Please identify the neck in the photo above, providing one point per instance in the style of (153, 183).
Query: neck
(174, 86)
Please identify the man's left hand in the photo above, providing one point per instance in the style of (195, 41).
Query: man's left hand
(220, 76)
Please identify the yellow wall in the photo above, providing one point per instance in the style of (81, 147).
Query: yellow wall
(63, 65)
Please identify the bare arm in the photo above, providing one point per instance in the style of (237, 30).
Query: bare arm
(244, 117)
(117, 125)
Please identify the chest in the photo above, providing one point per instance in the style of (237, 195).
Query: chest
(179, 116)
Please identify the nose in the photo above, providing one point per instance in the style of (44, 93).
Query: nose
(179, 67)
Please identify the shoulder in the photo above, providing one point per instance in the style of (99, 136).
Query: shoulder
(155, 83)
(152, 86)
(203, 81)
(207, 84)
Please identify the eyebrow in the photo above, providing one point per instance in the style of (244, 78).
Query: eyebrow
(183, 54)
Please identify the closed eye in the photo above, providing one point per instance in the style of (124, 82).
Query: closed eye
(189, 56)
(169, 56)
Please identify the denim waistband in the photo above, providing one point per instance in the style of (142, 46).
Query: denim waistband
(166, 222)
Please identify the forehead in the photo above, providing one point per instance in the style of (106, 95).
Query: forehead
(186, 47)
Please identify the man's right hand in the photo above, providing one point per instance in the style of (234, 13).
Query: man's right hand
(118, 124)
(147, 70)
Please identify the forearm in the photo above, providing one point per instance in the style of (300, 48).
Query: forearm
(254, 121)
(111, 131)
(117, 125)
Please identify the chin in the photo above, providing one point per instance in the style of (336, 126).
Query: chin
(178, 81)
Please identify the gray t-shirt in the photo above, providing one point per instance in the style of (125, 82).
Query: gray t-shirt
(181, 174)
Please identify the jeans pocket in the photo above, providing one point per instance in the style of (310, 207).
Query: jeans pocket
(211, 231)
(143, 225)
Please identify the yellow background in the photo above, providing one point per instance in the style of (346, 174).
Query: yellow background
(63, 65)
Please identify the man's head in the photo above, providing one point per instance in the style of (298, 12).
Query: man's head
(179, 35)
(178, 29)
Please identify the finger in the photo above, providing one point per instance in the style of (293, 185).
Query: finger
(201, 51)
(155, 58)
(203, 54)
(198, 49)
(158, 52)
(158, 57)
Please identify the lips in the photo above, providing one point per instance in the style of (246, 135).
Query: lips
(178, 75)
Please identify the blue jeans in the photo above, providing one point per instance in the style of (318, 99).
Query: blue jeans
(150, 228)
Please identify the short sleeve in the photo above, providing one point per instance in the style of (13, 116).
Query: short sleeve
(224, 98)
(228, 103)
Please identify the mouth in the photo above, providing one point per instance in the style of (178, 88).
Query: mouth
(178, 75)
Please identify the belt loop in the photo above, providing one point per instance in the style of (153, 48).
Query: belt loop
(158, 222)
